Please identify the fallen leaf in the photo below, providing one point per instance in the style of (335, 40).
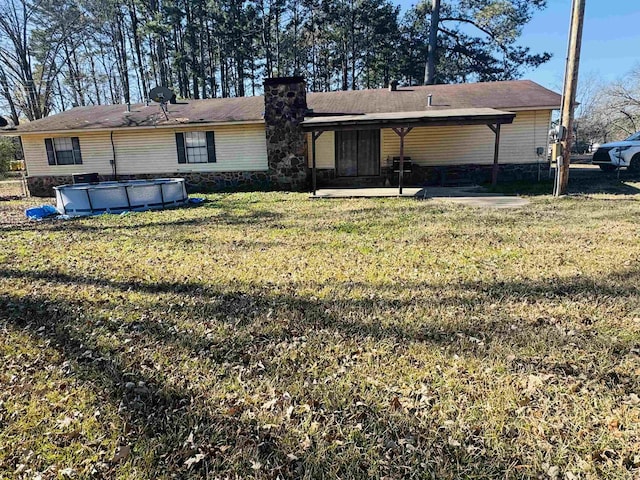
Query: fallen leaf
(194, 460)
(632, 399)
(603, 455)
(65, 422)
(270, 404)
(67, 472)
(232, 411)
(189, 440)
(122, 453)
(72, 435)
(452, 442)
(534, 382)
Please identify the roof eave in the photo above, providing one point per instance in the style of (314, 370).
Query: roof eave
(132, 128)
(525, 109)
(374, 124)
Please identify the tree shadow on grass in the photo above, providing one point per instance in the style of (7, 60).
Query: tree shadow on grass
(226, 217)
(162, 415)
(479, 303)
(583, 180)
(167, 426)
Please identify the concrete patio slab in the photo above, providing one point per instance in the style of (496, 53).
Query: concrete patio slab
(473, 196)
(366, 192)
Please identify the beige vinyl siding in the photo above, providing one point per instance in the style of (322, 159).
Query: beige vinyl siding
(325, 150)
(95, 149)
(473, 143)
(238, 148)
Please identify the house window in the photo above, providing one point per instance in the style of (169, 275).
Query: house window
(63, 151)
(196, 147)
(196, 144)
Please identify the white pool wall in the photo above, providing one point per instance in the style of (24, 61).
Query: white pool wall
(117, 197)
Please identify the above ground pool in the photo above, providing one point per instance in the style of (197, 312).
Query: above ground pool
(117, 197)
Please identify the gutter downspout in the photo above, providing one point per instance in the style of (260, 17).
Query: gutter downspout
(113, 160)
(25, 173)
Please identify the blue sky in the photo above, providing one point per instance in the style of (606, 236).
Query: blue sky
(610, 42)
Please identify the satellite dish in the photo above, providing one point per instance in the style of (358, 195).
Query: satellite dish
(3, 122)
(161, 94)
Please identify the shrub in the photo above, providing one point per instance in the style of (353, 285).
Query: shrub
(8, 150)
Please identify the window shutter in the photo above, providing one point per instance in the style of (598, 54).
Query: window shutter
(51, 153)
(77, 157)
(211, 147)
(182, 156)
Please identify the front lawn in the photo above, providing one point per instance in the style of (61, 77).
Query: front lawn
(263, 335)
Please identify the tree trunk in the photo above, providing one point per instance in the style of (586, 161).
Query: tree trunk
(136, 42)
(6, 93)
(430, 71)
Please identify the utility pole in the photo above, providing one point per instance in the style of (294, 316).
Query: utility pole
(569, 92)
(430, 70)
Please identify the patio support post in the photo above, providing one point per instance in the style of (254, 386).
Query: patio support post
(401, 132)
(496, 152)
(314, 137)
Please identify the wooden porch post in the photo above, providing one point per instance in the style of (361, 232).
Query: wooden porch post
(496, 152)
(401, 132)
(314, 137)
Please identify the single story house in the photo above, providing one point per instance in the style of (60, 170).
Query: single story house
(269, 141)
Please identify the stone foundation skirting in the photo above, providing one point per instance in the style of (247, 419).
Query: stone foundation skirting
(471, 174)
(324, 176)
(42, 186)
(440, 175)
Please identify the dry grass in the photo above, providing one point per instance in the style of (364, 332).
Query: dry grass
(11, 188)
(265, 336)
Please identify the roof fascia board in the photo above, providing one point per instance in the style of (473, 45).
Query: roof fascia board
(528, 109)
(392, 123)
(177, 126)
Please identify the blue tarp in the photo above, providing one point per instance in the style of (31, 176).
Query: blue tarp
(43, 211)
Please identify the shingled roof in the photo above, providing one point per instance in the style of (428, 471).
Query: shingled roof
(511, 95)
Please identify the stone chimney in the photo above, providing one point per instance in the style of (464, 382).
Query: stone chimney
(285, 105)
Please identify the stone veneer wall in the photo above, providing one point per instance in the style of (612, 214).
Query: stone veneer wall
(475, 174)
(285, 107)
(43, 186)
(195, 182)
(442, 175)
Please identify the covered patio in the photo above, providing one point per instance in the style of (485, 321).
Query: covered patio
(402, 123)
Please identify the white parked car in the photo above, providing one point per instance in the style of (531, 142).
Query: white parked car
(626, 153)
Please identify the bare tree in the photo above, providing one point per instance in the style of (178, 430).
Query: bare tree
(611, 111)
(624, 98)
(31, 41)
